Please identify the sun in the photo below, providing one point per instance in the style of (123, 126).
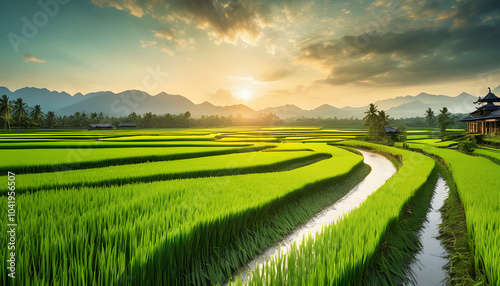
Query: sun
(244, 94)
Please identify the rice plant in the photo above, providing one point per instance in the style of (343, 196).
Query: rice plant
(490, 153)
(84, 144)
(51, 160)
(223, 165)
(142, 138)
(478, 186)
(162, 232)
(343, 251)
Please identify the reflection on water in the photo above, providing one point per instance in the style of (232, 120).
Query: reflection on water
(382, 169)
(428, 267)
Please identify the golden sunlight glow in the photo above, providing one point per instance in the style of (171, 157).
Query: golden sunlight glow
(244, 94)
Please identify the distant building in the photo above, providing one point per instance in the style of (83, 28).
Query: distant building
(486, 118)
(391, 130)
(101, 126)
(127, 125)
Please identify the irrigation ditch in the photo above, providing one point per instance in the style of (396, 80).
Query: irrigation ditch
(382, 170)
(415, 241)
(430, 261)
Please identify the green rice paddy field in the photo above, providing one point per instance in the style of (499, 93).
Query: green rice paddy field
(191, 206)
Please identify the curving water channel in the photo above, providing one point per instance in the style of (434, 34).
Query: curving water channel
(382, 170)
(429, 262)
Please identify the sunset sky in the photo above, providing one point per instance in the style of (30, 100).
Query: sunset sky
(259, 53)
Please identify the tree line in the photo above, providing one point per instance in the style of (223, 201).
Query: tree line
(378, 120)
(17, 114)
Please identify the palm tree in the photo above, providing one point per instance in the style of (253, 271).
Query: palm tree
(36, 114)
(84, 119)
(429, 116)
(100, 117)
(19, 110)
(51, 119)
(371, 118)
(444, 119)
(5, 110)
(93, 117)
(382, 120)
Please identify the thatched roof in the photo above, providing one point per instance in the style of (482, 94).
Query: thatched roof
(102, 126)
(392, 130)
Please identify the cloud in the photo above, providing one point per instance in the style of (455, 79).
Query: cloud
(147, 44)
(32, 58)
(162, 47)
(167, 51)
(165, 33)
(276, 75)
(472, 12)
(130, 5)
(444, 51)
(394, 42)
(248, 79)
(170, 34)
(229, 21)
(223, 96)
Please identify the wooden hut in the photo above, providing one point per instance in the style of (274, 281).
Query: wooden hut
(101, 126)
(391, 131)
(486, 118)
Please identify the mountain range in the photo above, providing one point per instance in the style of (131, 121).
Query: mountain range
(126, 102)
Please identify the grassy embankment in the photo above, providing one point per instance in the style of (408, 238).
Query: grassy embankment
(343, 252)
(201, 229)
(477, 186)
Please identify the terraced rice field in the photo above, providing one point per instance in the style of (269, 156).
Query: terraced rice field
(435, 142)
(479, 189)
(344, 250)
(191, 206)
(491, 153)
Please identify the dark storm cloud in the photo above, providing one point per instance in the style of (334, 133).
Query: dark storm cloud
(415, 56)
(472, 12)
(427, 8)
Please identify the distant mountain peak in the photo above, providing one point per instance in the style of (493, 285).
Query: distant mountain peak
(130, 91)
(465, 94)
(420, 94)
(206, 103)
(112, 104)
(416, 102)
(286, 106)
(5, 89)
(325, 106)
(496, 89)
(162, 94)
(239, 106)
